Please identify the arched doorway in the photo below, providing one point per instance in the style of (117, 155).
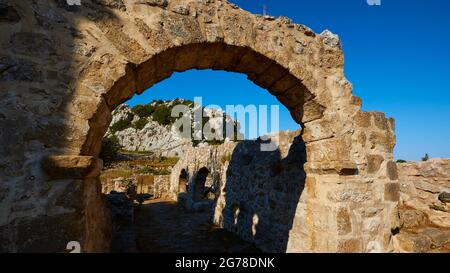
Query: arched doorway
(199, 191)
(182, 181)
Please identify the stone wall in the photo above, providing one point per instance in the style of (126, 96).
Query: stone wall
(161, 186)
(156, 185)
(267, 198)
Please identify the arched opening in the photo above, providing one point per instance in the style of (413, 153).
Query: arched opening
(208, 189)
(182, 181)
(263, 71)
(200, 188)
(303, 70)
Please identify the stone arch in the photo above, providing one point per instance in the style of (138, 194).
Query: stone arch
(262, 70)
(106, 52)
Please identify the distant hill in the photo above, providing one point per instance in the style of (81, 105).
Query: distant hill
(149, 127)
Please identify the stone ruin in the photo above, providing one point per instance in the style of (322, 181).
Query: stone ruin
(64, 69)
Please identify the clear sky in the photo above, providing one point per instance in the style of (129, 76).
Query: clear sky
(397, 56)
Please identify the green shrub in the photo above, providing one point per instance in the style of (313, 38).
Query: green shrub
(162, 115)
(426, 157)
(164, 160)
(148, 170)
(140, 124)
(143, 111)
(145, 170)
(438, 208)
(110, 149)
(122, 124)
(401, 161)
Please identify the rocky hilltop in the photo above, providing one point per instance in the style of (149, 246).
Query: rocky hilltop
(149, 128)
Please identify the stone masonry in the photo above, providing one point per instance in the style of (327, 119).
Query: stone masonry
(64, 69)
(265, 197)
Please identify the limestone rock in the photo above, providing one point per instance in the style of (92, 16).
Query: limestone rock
(162, 140)
(423, 186)
(156, 3)
(412, 243)
(181, 9)
(17, 69)
(330, 38)
(412, 218)
(439, 237)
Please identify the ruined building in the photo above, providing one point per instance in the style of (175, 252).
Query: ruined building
(64, 69)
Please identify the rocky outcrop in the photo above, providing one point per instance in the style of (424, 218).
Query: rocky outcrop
(156, 136)
(423, 184)
(424, 208)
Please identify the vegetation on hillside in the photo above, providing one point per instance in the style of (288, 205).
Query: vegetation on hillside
(122, 124)
(110, 149)
(161, 112)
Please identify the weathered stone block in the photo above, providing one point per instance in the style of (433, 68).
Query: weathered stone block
(374, 163)
(344, 224)
(17, 69)
(312, 111)
(48, 233)
(181, 9)
(293, 97)
(363, 119)
(68, 166)
(412, 243)
(284, 84)
(392, 192)
(310, 185)
(349, 246)
(32, 44)
(392, 172)
(439, 237)
(412, 218)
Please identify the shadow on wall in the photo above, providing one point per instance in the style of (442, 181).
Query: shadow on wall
(262, 191)
(199, 184)
(40, 62)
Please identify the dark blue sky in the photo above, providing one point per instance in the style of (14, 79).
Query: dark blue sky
(397, 56)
